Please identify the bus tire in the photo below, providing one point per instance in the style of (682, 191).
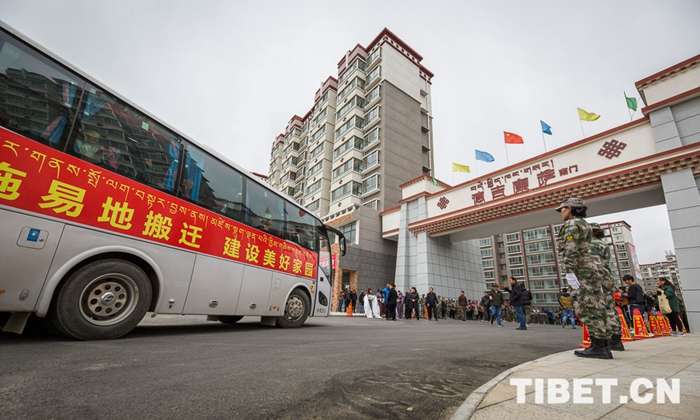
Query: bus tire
(104, 299)
(230, 319)
(296, 310)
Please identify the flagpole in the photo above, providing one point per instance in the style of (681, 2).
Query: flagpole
(580, 124)
(544, 143)
(505, 146)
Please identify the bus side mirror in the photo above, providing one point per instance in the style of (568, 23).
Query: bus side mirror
(343, 246)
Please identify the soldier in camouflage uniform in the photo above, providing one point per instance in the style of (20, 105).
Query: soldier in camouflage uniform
(575, 238)
(601, 250)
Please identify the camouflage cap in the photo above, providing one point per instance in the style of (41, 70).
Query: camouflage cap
(595, 226)
(571, 202)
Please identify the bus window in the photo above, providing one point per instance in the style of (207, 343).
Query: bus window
(264, 209)
(302, 228)
(211, 184)
(115, 136)
(37, 98)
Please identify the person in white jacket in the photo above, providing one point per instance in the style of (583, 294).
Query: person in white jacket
(367, 303)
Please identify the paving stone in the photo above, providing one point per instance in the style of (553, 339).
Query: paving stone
(625, 413)
(688, 408)
(512, 410)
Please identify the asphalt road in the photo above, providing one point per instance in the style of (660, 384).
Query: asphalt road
(184, 368)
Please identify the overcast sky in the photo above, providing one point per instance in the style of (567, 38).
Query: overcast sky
(231, 73)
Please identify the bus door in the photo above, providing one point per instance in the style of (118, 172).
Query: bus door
(322, 305)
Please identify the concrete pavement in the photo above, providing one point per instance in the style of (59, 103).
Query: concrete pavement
(183, 367)
(663, 357)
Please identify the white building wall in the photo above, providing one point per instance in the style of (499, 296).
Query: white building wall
(403, 74)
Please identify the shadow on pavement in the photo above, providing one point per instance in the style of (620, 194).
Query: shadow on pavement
(39, 331)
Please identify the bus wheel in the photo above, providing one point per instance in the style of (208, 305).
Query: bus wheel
(295, 311)
(102, 300)
(230, 319)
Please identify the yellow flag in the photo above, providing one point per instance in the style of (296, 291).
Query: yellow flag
(458, 167)
(584, 115)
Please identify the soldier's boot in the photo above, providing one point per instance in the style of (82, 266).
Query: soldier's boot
(597, 350)
(616, 343)
(608, 349)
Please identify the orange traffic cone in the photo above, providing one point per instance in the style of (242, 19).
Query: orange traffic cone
(349, 310)
(654, 325)
(623, 325)
(586, 342)
(640, 329)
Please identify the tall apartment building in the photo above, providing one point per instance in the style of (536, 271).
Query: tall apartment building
(624, 254)
(531, 256)
(368, 131)
(651, 272)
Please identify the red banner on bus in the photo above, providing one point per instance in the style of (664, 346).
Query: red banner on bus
(37, 178)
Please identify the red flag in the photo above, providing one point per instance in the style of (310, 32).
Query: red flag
(512, 138)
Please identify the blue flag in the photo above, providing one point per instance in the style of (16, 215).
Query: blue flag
(546, 128)
(485, 156)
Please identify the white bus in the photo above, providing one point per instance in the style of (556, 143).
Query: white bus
(106, 214)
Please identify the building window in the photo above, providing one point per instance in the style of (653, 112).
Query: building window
(374, 204)
(485, 242)
(321, 115)
(371, 159)
(355, 102)
(541, 246)
(547, 258)
(317, 151)
(349, 188)
(546, 270)
(372, 137)
(357, 82)
(535, 234)
(488, 252)
(357, 64)
(354, 122)
(318, 133)
(515, 260)
(373, 94)
(517, 272)
(513, 237)
(488, 274)
(315, 169)
(374, 56)
(314, 206)
(350, 232)
(353, 164)
(312, 188)
(513, 249)
(370, 184)
(487, 263)
(373, 114)
(355, 142)
(324, 98)
(374, 74)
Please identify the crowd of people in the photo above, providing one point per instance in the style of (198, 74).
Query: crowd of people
(593, 300)
(392, 304)
(497, 307)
